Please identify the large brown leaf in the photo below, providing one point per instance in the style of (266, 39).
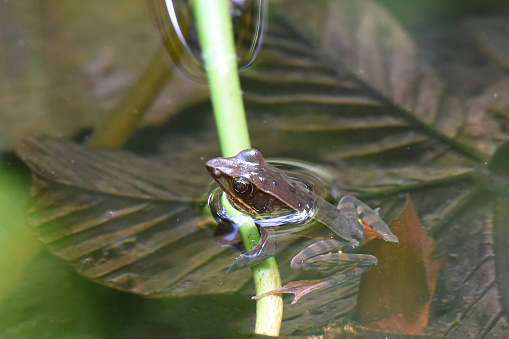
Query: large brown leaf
(365, 97)
(124, 221)
(363, 77)
(134, 225)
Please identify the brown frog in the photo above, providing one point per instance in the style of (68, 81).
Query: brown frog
(258, 188)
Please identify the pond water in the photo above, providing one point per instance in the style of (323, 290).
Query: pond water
(399, 102)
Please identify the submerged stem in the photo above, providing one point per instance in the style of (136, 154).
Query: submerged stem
(126, 116)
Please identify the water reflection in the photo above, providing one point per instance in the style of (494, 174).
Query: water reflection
(174, 22)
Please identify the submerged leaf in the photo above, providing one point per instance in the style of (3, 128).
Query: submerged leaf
(363, 88)
(491, 34)
(417, 139)
(329, 305)
(118, 219)
(396, 295)
(124, 221)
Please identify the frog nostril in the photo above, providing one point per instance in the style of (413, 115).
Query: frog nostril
(217, 172)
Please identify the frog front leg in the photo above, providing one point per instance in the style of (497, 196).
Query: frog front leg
(354, 209)
(324, 256)
(265, 248)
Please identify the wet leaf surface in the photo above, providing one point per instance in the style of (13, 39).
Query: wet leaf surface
(121, 222)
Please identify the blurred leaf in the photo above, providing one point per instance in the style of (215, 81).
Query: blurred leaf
(351, 330)
(60, 73)
(491, 34)
(50, 301)
(66, 65)
(15, 233)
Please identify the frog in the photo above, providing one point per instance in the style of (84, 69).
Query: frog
(259, 189)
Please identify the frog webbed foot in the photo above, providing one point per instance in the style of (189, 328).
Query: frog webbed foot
(325, 255)
(265, 248)
(355, 209)
(302, 287)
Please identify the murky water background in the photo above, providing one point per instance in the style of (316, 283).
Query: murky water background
(412, 105)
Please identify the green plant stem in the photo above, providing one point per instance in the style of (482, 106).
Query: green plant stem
(216, 37)
(269, 309)
(126, 116)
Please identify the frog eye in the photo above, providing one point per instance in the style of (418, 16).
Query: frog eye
(242, 186)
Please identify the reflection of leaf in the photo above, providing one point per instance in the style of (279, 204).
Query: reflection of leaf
(397, 294)
(61, 73)
(491, 33)
(124, 221)
(367, 82)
